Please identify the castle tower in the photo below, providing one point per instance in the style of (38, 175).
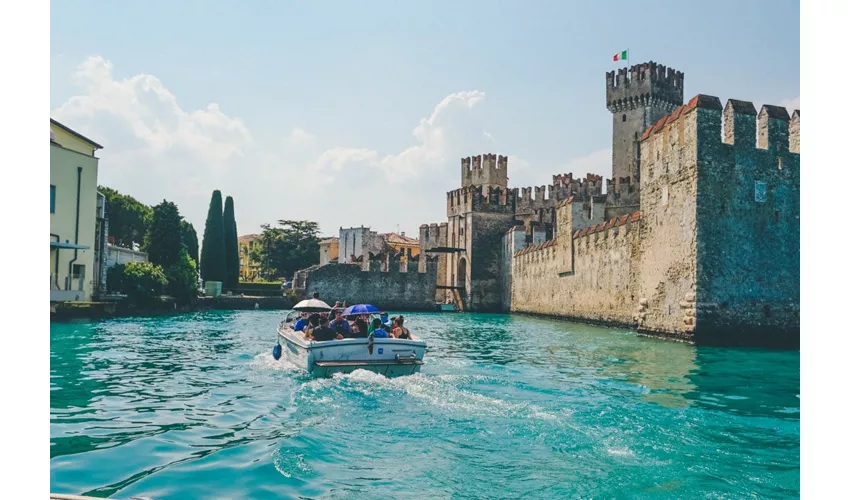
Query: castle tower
(478, 213)
(637, 97)
(484, 170)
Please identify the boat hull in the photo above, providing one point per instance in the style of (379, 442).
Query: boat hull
(389, 357)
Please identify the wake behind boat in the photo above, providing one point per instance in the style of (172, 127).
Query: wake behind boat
(322, 358)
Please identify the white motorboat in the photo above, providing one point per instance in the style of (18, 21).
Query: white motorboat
(387, 356)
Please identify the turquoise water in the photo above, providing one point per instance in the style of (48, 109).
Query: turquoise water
(194, 406)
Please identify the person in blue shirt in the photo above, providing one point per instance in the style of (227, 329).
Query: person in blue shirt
(379, 331)
(301, 323)
(340, 324)
(385, 319)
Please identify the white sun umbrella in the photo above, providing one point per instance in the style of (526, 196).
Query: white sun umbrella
(312, 305)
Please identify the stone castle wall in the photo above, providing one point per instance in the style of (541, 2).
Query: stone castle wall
(712, 256)
(387, 284)
(588, 274)
(748, 220)
(668, 200)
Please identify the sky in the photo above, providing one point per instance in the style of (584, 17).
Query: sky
(358, 113)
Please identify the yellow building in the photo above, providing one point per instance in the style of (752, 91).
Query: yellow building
(328, 250)
(77, 228)
(401, 243)
(248, 269)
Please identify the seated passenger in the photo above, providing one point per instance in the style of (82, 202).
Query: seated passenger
(323, 332)
(400, 332)
(312, 323)
(301, 323)
(340, 324)
(378, 329)
(360, 330)
(385, 319)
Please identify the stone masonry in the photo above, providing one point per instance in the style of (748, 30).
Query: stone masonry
(713, 256)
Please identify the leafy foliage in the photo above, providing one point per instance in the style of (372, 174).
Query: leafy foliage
(163, 240)
(165, 247)
(183, 279)
(213, 263)
(231, 246)
(286, 249)
(128, 218)
(142, 282)
(190, 239)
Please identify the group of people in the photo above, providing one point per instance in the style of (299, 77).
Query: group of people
(333, 326)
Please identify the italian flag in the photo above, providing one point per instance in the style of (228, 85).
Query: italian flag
(621, 56)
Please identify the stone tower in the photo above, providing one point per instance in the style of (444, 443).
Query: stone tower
(637, 97)
(479, 214)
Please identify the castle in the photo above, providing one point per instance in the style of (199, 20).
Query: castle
(697, 236)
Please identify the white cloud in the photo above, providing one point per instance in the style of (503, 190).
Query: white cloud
(790, 104)
(300, 136)
(522, 173)
(438, 143)
(155, 149)
(597, 162)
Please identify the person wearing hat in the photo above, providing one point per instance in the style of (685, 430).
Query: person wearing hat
(337, 307)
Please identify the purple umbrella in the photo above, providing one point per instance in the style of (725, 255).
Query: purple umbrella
(360, 309)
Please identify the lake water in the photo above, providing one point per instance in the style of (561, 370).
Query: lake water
(194, 406)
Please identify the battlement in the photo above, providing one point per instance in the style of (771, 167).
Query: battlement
(771, 129)
(643, 85)
(532, 249)
(616, 222)
(488, 169)
(479, 198)
(433, 235)
(396, 263)
(563, 186)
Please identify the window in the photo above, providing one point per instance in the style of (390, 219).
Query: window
(624, 118)
(52, 199)
(78, 271)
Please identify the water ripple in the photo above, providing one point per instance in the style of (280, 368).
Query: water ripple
(194, 406)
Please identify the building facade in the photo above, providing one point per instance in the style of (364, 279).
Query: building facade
(354, 242)
(248, 269)
(400, 243)
(116, 255)
(77, 217)
(328, 251)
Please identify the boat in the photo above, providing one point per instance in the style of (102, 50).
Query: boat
(390, 357)
(447, 308)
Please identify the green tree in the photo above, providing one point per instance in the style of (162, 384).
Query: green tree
(231, 246)
(127, 217)
(183, 279)
(213, 263)
(163, 240)
(286, 249)
(164, 244)
(142, 282)
(190, 239)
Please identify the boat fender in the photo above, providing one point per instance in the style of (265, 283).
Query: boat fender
(371, 342)
(277, 351)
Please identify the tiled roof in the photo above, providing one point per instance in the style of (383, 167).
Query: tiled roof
(399, 239)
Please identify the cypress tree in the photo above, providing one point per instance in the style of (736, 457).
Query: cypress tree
(213, 264)
(231, 245)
